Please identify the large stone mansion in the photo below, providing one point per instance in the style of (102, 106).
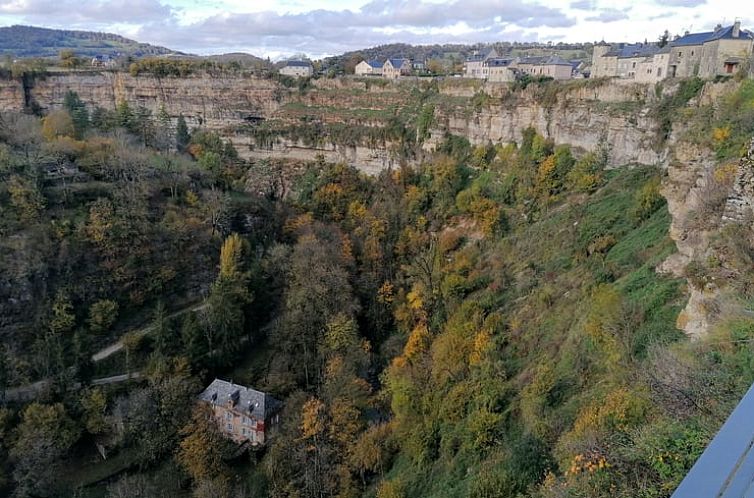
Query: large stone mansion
(242, 413)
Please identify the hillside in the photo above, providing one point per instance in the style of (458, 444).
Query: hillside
(500, 309)
(30, 41)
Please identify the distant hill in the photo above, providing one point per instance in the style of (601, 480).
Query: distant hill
(30, 41)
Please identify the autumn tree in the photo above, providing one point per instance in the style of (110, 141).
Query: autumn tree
(44, 436)
(203, 447)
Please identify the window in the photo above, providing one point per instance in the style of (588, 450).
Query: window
(633, 65)
(680, 54)
(246, 421)
(230, 427)
(228, 416)
(692, 53)
(659, 72)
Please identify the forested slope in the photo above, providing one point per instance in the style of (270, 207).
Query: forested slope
(488, 323)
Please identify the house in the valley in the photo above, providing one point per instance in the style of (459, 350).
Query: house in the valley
(550, 66)
(243, 414)
(473, 67)
(297, 69)
(394, 68)
(499, 69)
(368, 68)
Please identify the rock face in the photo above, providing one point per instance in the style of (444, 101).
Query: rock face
(740, 204)
(615, 112)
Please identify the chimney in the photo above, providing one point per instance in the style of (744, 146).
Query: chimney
(736, 29)
(718, 27)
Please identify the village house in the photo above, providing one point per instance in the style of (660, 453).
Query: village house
(473, 67)
(723, 51)
(394, 68)
(550, 66)
(368, 68)
(499, 69)
(243, 414)
(297, 69)
(103, 61)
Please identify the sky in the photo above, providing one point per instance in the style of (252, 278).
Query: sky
(317, 28)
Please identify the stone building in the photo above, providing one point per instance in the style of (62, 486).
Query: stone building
(499, 69)
(473, 66)
(368, 68)
(724, 51)
(242, 413)
(550, 66)
(394, 68)
(297, 69)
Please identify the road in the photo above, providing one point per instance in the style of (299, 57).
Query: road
(117, 346)
(31, 391)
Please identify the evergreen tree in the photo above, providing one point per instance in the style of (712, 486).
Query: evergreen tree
(78, 111)
(182, 136)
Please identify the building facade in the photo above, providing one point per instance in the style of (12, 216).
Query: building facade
(368, 68)
(550, 66)
(297, 69)
(474, 65)
(394, 68)
(499, 70)
(243, 414)
(724, 51)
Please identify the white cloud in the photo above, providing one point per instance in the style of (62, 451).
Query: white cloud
(319, 27)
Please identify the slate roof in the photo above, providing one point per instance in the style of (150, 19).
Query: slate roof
(298, 64)
(633, 50)
(719, 34)
(397, 63)
(498, 62)
(692, 39)
(374, 63)
(545, 60)
(256, 403)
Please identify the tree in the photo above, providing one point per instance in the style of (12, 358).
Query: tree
(664, 38)
(102, 314)
(203, 447)
(78, 112)
(26, 198)
(182, 136)
(162, 332)
(43, 438)
(94, 403)
(69, 60)
(58, 124)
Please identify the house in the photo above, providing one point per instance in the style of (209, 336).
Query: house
(297, 69)
(473, 67)
(394, 68)
(242, 413)
(550, 66)
(368, 68)
(499, 69)
(104, 61)
(708, 54)
(726, 51)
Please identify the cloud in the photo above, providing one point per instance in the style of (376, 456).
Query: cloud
(680, 3)
(583, 5)
(609, 15)
(76, 13)
(377, 22)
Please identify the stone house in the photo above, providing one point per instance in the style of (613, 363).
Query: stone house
(499, 69)
(726, 52)
(473, 67)
(243, 414)
(723, 51)
(297, 69)
(394, 68)
(368, 68)
(550, 66)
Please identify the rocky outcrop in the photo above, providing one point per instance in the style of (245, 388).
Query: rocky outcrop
(740, 204)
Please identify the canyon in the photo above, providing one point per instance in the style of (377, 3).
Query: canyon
(621, 116)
